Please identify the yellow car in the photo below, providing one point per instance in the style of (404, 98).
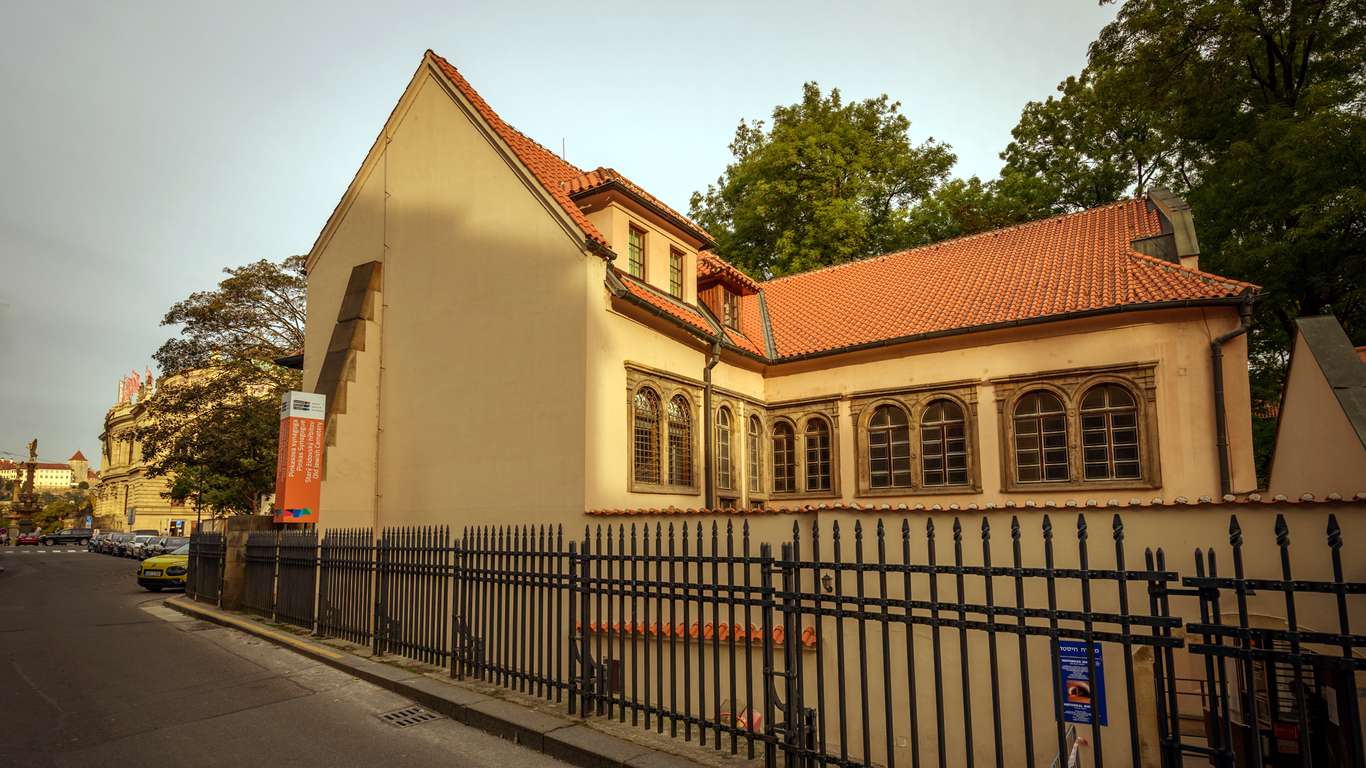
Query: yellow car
(162, 571)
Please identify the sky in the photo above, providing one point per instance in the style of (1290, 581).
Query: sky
(145, 146)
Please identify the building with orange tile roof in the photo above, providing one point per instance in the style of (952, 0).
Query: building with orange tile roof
(504, 335)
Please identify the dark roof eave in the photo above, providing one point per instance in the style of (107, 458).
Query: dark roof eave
(667, 215)
(1221, 301)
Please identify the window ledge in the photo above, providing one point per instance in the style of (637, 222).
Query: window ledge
(938, 490)
(676, 490)
(1073, 485)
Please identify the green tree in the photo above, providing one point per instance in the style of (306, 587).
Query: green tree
(1264, 103)
(1090, 145)
(60, 510)
(967, 206)
(827, 182)
(213, 422)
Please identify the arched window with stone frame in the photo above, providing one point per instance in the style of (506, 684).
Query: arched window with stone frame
(754, 443)
(725, 475)
(645, 424)
(943, 444)
(817, 465)
(784, 458)
(680, 441)
(1109, 434)
(889, 448)
(1041, 438)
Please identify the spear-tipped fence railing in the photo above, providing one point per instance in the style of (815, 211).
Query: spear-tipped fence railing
(880, 642)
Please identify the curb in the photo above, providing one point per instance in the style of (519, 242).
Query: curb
(559, 737)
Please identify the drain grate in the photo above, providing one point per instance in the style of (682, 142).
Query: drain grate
(409, 716)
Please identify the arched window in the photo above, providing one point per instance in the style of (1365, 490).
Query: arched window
(784, 458)
(756, 431)
(943, 445)
(645, 427)
(817, 455)
(1040, 439)
(723, 449)
(680, 441)
(1109, 434)
(889, 448)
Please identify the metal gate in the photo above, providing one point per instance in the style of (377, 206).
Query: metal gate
(204, 582)
(1272, 693)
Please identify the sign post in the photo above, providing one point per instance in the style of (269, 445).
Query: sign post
(298, 468)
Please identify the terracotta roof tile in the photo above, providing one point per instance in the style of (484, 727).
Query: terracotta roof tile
(669, 305)
(77, 456)
(600, 177)
(549, 169)
(1072, 263)
(713, 269)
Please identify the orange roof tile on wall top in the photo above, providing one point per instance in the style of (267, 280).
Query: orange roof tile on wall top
(550, 170)
(668, 305)
(1071, 263)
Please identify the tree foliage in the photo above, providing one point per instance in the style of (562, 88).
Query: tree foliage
(60, 509)
(213, 422)
(828, 181)
(1263, 103)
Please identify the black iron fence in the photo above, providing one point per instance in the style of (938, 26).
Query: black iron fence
(345, 584)
(864, 644)
(260, 560)
(296, 586)
(204, 581)
(1279, 695)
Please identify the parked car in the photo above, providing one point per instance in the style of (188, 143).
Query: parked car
(68, 536)
(94, 544)
(165, 545)
(30, 537)
(158, 573)
(135, 548)
(109, 543)
(124, 548)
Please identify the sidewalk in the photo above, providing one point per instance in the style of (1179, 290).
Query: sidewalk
(532, 723)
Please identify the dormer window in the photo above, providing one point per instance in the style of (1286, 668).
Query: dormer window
(635, 252)
(676, 272)
(730, 309)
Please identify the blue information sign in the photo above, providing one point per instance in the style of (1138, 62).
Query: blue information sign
(1082, 698)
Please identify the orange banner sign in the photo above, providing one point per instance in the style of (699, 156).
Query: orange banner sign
(299, 465)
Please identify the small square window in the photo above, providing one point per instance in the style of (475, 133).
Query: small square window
(730, 306)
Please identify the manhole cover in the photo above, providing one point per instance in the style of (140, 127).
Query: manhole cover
(408, 716)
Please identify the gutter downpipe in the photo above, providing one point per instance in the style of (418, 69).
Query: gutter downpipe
(1216, 350)
(713, 357)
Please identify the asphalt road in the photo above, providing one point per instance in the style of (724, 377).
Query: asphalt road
(96, 672)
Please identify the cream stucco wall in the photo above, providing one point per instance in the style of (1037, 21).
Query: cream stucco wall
(481, 351)
(1317, 451)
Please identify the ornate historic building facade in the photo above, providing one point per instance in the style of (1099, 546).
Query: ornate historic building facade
(127, 497)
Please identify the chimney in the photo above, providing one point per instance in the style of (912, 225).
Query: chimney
(1177, 243)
